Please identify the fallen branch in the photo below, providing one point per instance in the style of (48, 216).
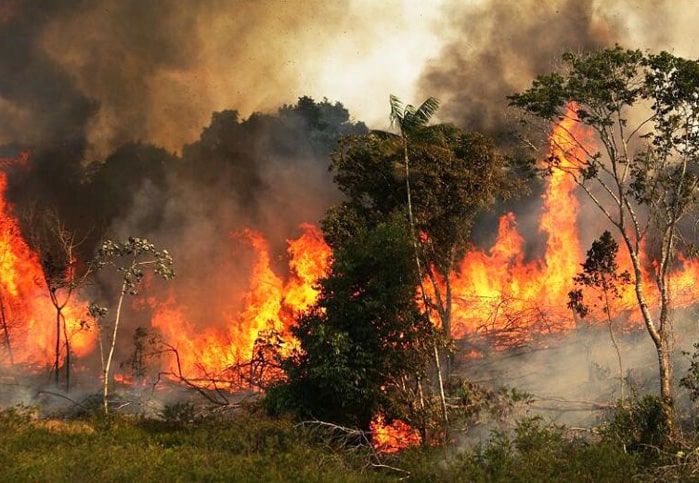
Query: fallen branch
(357, 435)
(51, 393)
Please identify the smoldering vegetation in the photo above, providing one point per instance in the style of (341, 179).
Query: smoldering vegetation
(574, 378)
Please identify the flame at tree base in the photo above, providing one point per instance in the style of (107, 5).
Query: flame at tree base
(393, 437)
(27, 316)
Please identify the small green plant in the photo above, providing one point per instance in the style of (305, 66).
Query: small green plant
(471, 401)
(179, 412)
(640, 426)
(15, 418)
(130, 259)
(691, 381)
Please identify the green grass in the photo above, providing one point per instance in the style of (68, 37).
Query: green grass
(253, 447)
(248, 448)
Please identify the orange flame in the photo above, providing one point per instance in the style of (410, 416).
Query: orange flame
(25, 307)
(394, 437)
(269, 304)
(498, 294)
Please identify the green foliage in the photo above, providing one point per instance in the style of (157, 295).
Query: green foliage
(130, 257)
(601, 82)
(324, 122)
(610, 88)
(600, 271)
(691, 380)
(235, 154)
(470, 401)
(246, 446)
(409, 119)
(239, 448)
(453, 176)
(364, 337)
(532, 452)
(640, 426)
(643, 111)
(179, 412)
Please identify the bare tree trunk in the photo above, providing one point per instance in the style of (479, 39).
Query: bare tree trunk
(67, 339)
(659, 336)
(6, 331)
(666, 385)
(111, 349)
(616, 346)
(619, 362)
(441, 387)
(57, 360)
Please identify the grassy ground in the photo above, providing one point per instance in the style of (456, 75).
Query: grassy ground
(246, 448)
(252, 447)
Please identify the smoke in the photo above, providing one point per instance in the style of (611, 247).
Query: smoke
(493, 49)
(144, 117)
(573, 379)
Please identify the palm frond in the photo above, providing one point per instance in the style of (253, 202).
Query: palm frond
(427, 109)
(435, 134)
(410, 119)
(397, 110)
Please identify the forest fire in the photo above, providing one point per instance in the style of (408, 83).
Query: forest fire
(497, 293)
(268, 306)
(28, 338)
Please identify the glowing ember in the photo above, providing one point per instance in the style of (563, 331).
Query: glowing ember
(394, 437)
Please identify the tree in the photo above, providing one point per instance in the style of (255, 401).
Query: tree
(443, 176)
(448, 177)
(365, 339)
(129, 258)
(644, 111)
(411, 122)
(63, 274)
(600, 271)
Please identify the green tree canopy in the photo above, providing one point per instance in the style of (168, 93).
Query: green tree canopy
(454, 176)
(365, 336)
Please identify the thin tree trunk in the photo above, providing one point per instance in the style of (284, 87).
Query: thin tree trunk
(57, 361)
(422, 288)
(658, 336)
(6, 331)
(67, 339)
(111, 349)
(618, 356)
(441, 386)
(666, 386)
(616, 346)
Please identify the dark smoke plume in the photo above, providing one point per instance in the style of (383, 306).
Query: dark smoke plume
(494, 48)
(499, 47)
